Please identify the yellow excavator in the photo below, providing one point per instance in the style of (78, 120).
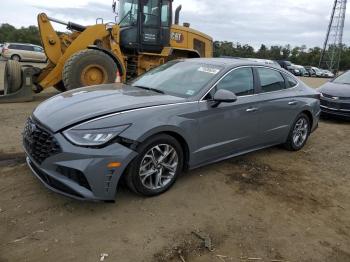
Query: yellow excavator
(143, 38)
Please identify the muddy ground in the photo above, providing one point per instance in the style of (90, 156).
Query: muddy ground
(272, 205)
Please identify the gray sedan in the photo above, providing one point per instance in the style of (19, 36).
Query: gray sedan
(179, 116)
(335, 96)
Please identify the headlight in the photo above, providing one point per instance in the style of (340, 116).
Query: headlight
(93, 137)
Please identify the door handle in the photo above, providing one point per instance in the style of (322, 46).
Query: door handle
(253, 109)
(292, 103)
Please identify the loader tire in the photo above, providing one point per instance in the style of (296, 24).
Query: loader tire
(12, 77)
(88, 67)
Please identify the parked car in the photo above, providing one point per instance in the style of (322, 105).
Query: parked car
(1, 45)
(335, 96)
(310, 71)
(284, 64)
(289, 67)
(295, 70)
(23, 52)
(302, 70)
(318, 72)
(182, 115)
(328, 74)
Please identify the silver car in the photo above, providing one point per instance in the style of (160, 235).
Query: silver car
(23, 52)
(179, 116)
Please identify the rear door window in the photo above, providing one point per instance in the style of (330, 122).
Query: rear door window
(27, 48)
(270, 80)
(291, 81)
(38, 49)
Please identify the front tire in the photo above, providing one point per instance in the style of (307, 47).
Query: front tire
(16, 58)
(156, 168)
(12, 77)
(88, 67)
(299, 133)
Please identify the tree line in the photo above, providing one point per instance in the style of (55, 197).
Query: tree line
(297, 55)
(300, 55)
(9, 33)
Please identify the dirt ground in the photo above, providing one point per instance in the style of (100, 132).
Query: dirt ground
(272, 205)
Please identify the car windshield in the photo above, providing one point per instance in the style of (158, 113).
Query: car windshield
(179, 78)
(343, 79)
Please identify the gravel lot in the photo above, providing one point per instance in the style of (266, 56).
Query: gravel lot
(271, 205)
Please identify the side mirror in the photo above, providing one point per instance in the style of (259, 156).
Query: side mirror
(224, 96)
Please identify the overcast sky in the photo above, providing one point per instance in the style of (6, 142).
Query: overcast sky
(273, 22)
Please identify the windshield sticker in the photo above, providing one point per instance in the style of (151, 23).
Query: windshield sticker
(209, 70)
(190, 92)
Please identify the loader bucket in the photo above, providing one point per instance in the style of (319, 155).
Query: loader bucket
(18, 83)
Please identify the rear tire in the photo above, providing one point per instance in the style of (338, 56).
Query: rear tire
(299, 133)
(88, 67)
(12, 77)
(16, 58)
(167, 170)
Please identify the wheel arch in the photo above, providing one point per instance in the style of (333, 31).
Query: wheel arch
(309, 115)
(184, 146)
(173, 132)
(16, 54)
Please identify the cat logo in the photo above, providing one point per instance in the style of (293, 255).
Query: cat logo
(176, 36)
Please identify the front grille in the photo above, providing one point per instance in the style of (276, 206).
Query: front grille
(335, 105)
(338, 97)
(39, 143)
(329, 104)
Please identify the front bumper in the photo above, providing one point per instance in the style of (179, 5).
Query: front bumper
(335, 112)
(82, 173)
(335, 107)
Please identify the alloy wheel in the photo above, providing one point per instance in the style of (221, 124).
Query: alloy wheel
(300, 132)
(158, 166)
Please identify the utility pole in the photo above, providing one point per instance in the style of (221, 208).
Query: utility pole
(333, 44)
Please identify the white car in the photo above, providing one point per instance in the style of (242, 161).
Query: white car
(328, 74)
(318, 72)
(23, 52)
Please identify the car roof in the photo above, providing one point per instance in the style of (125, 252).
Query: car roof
(230, 62)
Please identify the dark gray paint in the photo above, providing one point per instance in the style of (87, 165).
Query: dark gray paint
(334, 89)
(211, 133)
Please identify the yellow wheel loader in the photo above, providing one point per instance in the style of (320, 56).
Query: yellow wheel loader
(144, 38)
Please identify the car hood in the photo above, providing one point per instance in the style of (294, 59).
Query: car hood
(82, 104)
(333, 89)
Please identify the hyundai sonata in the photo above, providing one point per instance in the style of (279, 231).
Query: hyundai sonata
(182, 115)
